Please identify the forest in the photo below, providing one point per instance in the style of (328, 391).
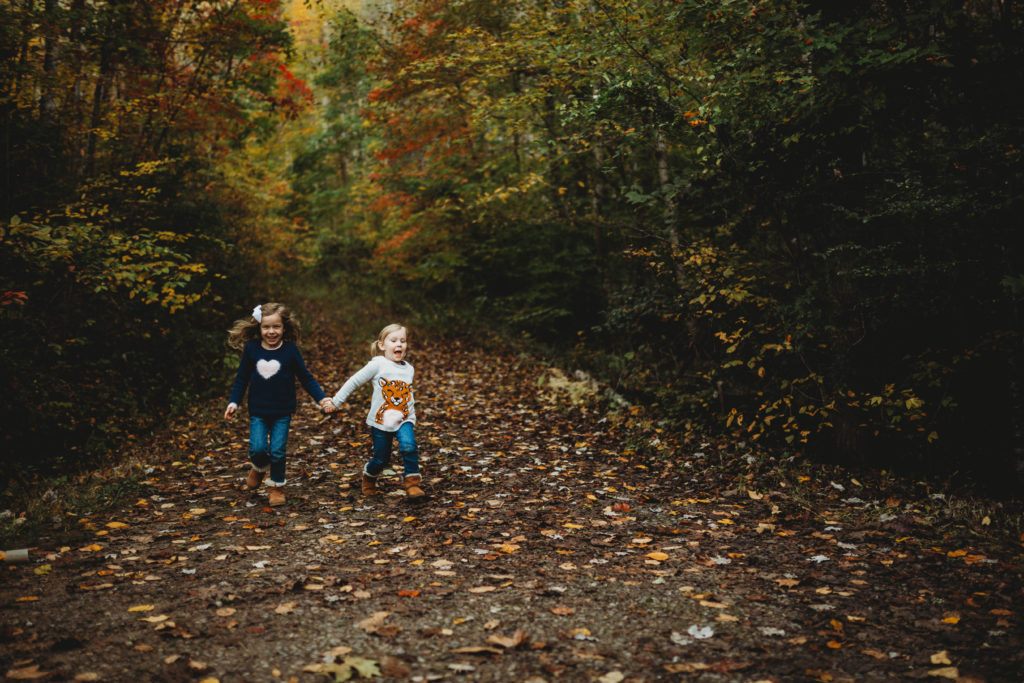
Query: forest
(714, 305)
(784, 223)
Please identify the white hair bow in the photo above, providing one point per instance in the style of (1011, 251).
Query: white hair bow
(258, 313)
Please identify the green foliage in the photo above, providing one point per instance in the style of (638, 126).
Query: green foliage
(122, 234)
(792, 222)
(88, 346)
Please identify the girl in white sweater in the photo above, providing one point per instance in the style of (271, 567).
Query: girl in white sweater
(392, 410)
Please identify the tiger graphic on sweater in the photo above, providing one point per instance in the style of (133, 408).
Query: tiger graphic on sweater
(397, 397)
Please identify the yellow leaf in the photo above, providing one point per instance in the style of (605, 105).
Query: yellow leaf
(945, 672)
(953, 618)
(27, 673)
(28, 598)
(141, 608)
(657, 556)
(116, 525)
(410, 518)
(941, 658)
(573, 526)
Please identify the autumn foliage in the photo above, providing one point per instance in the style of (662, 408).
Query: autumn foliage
(788, 222)
(117, 233)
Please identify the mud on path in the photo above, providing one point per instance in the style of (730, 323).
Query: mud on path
(548, 551)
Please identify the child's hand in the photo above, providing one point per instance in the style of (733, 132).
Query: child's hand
(327, 405)
(230, 412)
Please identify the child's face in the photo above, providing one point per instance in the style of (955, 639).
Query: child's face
(394, 346)
(272, 329)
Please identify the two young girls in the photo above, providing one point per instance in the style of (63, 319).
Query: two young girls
(270, 365)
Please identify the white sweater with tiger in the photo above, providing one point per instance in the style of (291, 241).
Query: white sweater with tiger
(392, 404)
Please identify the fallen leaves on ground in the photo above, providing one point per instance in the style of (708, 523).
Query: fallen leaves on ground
(564, 540)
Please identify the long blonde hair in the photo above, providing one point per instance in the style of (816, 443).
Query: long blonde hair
(375, 349)
(247, 329)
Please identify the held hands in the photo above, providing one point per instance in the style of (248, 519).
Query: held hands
(327, 405)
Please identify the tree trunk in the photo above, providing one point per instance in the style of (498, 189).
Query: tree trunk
(671, 206)
(51, 60)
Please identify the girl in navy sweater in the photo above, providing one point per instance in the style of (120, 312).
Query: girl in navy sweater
(270, 364)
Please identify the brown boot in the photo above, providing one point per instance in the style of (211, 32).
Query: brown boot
(254, 479)
(369, 485)
(276, 496)
(412, 487)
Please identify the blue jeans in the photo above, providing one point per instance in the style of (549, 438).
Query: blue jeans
(268, 439)
(382, 442)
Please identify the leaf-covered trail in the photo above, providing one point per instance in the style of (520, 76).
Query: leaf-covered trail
(548, 551)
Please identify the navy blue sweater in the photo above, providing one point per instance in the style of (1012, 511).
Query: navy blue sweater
(270, 376)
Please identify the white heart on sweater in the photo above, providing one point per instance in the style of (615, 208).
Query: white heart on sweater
(267, 368)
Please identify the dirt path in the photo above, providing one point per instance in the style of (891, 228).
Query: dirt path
(548, 551)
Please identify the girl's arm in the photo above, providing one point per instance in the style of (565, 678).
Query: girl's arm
(306, 378)
(355, 381)
(240, 384)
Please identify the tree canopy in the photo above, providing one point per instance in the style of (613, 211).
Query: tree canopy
(789, 221)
